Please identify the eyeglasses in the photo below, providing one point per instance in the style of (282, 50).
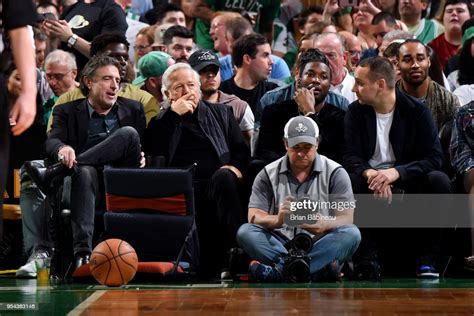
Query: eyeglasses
(57, 77)
(355, 53)
(216, 26)
(141, 47)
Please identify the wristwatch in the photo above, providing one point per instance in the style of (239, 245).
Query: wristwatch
(72, 40)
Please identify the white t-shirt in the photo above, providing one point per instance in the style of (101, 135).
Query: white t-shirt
(248, 120)
(383, 157)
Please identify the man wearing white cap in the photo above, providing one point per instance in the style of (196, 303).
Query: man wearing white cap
(300, 177)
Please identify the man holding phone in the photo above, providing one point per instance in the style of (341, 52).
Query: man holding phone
(300, 170)
(81, 22)
(49, 16)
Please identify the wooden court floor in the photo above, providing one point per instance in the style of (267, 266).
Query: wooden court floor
(389, 297)
(276, 301)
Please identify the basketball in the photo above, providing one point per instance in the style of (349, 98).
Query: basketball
(113, 262)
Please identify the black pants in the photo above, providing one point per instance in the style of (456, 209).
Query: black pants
(121, 149)
(424, 241)
(219, 214)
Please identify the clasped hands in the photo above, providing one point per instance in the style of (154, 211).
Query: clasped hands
(380, 182)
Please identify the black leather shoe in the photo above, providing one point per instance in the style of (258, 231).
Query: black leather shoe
(82, 259)
(43, 176)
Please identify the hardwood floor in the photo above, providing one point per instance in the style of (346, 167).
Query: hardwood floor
(277, 301)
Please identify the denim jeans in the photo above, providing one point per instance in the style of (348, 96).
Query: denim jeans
(268, 248)
(35, 213)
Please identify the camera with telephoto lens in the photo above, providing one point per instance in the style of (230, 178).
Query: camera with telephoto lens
(296, 266)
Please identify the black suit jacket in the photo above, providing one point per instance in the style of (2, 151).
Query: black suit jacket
(413, 136)
(218, 123)
(71, 124)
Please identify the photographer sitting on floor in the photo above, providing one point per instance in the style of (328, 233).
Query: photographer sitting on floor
(301, 173)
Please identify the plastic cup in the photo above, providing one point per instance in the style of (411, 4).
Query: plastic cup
(42, 268)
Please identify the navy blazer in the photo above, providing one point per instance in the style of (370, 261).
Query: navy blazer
(71, 124)
(413, 136)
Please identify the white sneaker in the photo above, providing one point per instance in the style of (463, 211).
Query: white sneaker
(28, 270)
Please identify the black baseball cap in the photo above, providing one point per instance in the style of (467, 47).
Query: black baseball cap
(202, 58)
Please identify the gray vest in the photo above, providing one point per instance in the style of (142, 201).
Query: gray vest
(317, 191)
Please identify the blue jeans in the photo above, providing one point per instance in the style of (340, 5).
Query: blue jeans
(35, 213)
(260, 244)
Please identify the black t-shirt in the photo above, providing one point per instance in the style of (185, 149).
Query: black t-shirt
(195, 147)
(17, 13)
(88, 20)
(252, 97)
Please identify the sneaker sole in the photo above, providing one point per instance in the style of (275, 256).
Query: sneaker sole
(428, 275)
(25, 275)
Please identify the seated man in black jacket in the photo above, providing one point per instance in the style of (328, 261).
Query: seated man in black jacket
(313, 86)
(89, 133)
(392, 143)
(194, 131)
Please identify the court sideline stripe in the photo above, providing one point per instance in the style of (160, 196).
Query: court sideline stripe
(86, 303)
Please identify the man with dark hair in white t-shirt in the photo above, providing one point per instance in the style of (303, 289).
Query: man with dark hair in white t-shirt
(392, 142)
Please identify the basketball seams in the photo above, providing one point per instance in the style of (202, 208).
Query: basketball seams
(98, 265)
(116, 262)
(125, 267)
(108, 272)
(110, 266)
(129, 264)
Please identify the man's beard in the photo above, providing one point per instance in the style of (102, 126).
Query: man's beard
(209, 91)
(415, 82)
